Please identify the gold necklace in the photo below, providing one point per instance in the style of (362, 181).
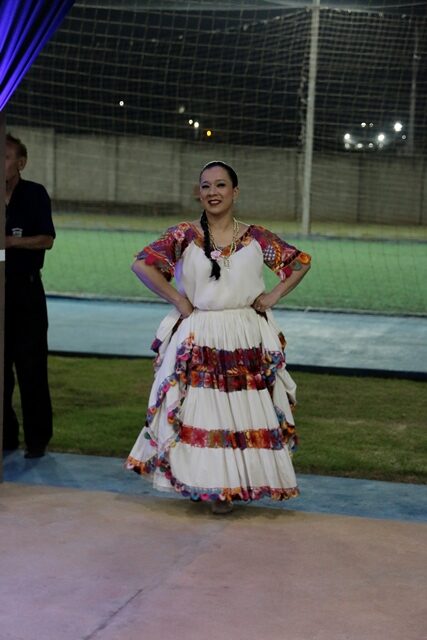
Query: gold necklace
(218, 252)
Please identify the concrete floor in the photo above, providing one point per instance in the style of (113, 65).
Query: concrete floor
(90, 552)
(83, 565)
(319, 494)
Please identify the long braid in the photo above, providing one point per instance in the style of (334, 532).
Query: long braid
(216, 269)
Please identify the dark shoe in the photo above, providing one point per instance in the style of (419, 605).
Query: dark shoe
(34, 453)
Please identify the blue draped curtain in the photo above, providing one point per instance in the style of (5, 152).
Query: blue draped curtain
(25, 27)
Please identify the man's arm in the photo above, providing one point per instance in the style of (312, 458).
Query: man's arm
(29, 242)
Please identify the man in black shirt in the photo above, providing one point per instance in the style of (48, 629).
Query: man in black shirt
(29, 232)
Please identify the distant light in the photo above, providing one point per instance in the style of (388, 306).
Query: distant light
(380, 137)
(403, 137)
(347, 145)
(370, 145)
(398, 126)
(363, 124)
(190, 121)
(181, 108)
(347, 136)
(360, 145)
(208, 133)
(121, 103)
(371, 124)
(196, 125)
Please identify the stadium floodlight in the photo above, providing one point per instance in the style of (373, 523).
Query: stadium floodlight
(398, 126)
(347, 136)
(381, 137)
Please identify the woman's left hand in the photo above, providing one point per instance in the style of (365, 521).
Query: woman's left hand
(264, 301)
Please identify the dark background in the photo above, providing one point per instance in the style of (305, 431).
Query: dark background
(241, 73)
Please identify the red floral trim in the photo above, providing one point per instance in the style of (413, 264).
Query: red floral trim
(227, 383)
(209, 494)
(222, 438)
(296, 265)
(236, 494)
(139, 467)
(228, 371)
(165, 252)
(156, 259)
(279, 256)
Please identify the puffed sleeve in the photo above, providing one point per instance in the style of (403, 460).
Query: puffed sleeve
(279, 256)
(165, 252)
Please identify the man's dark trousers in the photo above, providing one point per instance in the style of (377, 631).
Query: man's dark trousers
(26, 349)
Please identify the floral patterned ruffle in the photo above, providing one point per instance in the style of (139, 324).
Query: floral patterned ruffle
(210, 494)
(225, 439)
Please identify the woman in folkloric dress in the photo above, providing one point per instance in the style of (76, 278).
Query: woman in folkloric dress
(219, 425)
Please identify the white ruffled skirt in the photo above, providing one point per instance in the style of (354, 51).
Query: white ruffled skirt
(219, 423)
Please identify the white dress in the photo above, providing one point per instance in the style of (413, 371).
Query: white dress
(219, 423)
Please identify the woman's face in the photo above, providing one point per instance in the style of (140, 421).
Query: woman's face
(216, 191)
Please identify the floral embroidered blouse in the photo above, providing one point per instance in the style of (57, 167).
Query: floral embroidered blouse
(179, 252)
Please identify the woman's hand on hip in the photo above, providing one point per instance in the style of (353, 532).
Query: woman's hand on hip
(264, 301)
(184, 306)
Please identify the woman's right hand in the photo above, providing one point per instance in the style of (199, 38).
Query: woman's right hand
(184, 306)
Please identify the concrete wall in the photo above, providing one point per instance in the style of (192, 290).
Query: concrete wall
(336, 187)
(269, 181)
(85, 168)
(159, 175)
(392, 190)
(148, 171)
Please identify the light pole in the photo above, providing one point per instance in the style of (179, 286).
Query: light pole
(410, 146)
(309, 122)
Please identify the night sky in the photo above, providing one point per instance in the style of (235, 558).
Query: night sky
(243, 74)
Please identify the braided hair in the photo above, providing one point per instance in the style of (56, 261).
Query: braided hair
(216, 269)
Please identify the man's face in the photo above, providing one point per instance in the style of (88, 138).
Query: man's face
(13, 163)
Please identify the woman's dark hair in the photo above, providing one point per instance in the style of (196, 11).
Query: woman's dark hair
(219, 163)
(216, 269)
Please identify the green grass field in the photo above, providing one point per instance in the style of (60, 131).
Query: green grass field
(351, 274)
(349, 426)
